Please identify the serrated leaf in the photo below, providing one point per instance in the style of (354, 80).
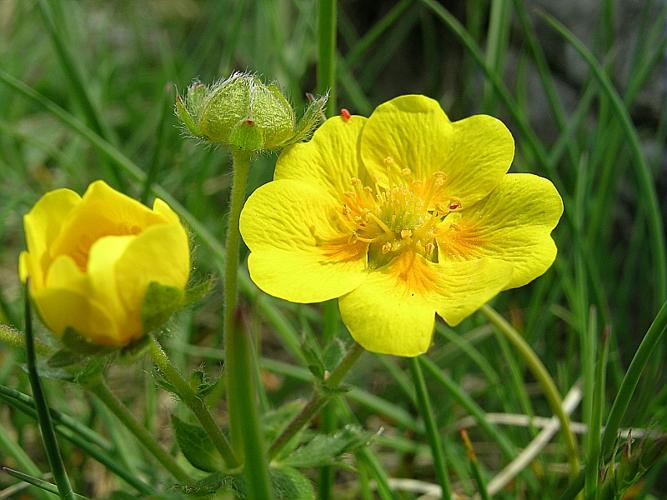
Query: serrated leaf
(324, 449)
(201, 383)
(196, 446)
(160, 302)
(287, 484)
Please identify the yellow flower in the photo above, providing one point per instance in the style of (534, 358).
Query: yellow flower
(402, 215)
(91, 260)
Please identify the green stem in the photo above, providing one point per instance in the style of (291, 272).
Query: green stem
(194, 402)
(317, 401)
(240, 356)
(43, 416)
(326, 62)
(425, 410)
(100, 389)
(543, 378)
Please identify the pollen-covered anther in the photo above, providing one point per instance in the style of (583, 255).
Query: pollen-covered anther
(388, 160)
(386, 248)
(406, 234)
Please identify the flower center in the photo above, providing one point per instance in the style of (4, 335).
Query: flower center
(401, 217)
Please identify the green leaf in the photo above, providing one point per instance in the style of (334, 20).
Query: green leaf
(324, 449)
(159, 304)
(196, 446)
(311, 352)
(287, 484)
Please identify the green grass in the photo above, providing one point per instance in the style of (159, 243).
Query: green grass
(86, 92)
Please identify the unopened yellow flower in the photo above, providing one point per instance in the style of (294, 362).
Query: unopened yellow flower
(91, 259)
(402, 215)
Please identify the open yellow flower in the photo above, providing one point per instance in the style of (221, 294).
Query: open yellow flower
(402, 215)
(91, 260)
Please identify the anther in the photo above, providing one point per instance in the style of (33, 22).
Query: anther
(406, 172)
(388, 160)
(406, 234)
(454, 204)
(386, 248)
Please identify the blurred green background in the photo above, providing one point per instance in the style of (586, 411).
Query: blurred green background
(114, 67)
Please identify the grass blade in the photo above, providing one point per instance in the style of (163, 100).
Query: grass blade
(644, 176)
(426, 412)
(43, 416)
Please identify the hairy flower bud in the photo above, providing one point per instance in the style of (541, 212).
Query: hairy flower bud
(245, 114)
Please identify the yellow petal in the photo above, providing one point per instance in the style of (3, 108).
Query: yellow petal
(160, 207)
(413, 132)
(68, 301)
(329, 160)
(512, 224)
(102, 212)
(42, 225)
(393, 311)
(159, 254)
(104, 256)
(60, 309)
(465, 286)
(289, 226)
(387, 318)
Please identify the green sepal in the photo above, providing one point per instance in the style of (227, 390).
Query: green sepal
(198, 291)
(160, 302)
(311, 119)
(134, 351)
(287, 484)
(64, 358)
(196, 446)
(246, 136)
(77, 343)
(325, 449)
(185, 117)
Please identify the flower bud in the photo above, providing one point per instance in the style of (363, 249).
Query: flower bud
(103, 265)
(245, 114)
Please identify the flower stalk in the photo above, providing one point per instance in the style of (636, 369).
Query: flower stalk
(543, 378)
(194, 402)
(319, 398)
(240, 357)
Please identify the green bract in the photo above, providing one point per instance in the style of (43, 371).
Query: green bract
(245, 114)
